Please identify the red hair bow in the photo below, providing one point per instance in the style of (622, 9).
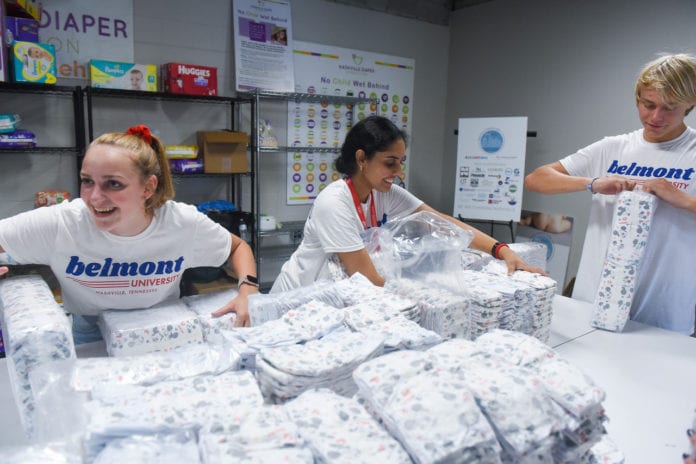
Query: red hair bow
(141, 131)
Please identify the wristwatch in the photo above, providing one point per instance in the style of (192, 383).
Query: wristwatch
(249, 280)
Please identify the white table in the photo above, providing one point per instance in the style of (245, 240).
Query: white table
(649, 376)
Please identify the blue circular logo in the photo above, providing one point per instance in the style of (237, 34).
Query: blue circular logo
(491, 140)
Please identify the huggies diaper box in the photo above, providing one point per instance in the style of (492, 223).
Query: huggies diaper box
(188, 79)
(33, 62)
(127, 76)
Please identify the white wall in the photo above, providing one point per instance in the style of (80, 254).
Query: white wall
(569, 66)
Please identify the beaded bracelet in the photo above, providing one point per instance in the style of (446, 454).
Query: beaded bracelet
(495, 250)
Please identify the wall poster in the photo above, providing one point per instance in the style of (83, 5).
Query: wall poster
(263, 45)
(81, 30)
(327, 70)
(490, 168)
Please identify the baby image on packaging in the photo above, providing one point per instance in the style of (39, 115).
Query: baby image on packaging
(34, 62)
(126, 76)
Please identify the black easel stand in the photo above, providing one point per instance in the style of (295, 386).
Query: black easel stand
(491, 223)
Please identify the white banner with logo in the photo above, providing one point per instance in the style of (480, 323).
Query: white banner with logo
(327, 70)
(490, 168)
(263, 45)
(81, 30)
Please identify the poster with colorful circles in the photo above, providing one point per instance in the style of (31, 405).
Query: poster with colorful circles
(318, 129)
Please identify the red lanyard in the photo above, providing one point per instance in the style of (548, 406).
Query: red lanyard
(358, 206)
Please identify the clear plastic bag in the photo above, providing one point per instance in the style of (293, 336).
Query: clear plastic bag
(423, 242)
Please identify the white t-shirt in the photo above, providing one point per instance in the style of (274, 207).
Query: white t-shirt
(98, 270)
(665, 295)
(333, 226)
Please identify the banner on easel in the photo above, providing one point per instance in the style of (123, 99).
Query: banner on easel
(490, 168)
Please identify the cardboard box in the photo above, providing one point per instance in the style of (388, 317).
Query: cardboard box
(223, 152)
(119, 75)
(21, 29)
(33, 62)
(28, 8)
(191, 79)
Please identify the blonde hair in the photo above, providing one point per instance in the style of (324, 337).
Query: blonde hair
(149, 159)
(674, 76)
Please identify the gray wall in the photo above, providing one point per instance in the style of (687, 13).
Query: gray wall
(202, 33)
(159, 38)
(569, 66)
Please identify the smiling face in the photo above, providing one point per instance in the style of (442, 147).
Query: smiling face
(662, 120)
(114, 191)
(379, 172)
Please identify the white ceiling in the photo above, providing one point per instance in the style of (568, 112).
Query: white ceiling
(432, 11)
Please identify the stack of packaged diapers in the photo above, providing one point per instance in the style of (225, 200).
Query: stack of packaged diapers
(36, 332)
(629, 236)
(506, 397)
(165, 326)
(441, 311)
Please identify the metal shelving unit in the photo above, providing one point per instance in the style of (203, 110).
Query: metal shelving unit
(44, 91)
(278, 252)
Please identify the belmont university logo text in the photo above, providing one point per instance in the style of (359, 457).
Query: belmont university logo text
(109, 275)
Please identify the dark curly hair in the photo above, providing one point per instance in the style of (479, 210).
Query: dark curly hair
(372, 134)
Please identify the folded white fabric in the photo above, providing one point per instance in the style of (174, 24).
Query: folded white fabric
(168, 325)
(339, 430)
(287, 371)
(164, 448)
(36, 332)
(213, 401)
(62, 387)
(436, 418)
(309, 321)
(397, 331)
(633, 214)
(267, 435)
(515, 348)
(487, 306)
(43, 453)
(426, 407)
(441, 311)
(204, 305)
(264, 307)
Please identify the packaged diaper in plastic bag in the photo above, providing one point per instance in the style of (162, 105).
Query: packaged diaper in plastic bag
(414, 245)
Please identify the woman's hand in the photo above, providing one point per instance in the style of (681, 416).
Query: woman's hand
(515, 263)
(4, 270)
(240, 306)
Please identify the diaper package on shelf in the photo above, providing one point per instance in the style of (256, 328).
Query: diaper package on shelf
(127, 76)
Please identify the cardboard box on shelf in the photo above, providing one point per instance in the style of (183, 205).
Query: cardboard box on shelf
(223, 152)
(24, 8)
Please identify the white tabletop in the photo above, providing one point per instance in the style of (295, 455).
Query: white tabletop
(649, 376)
(571, 319)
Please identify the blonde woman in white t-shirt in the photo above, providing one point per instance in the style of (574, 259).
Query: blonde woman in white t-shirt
(124, 244)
